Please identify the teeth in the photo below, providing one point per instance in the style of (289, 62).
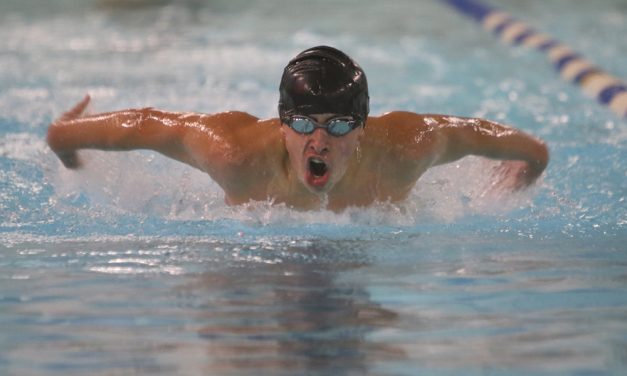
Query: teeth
(317, 161)
(317, 166)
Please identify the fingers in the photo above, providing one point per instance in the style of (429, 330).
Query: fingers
(70, 160)
(77, 110)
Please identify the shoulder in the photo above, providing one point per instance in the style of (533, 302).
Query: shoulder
(407, 135)
(246, 139)
(199, 118)
(223, 127)
(401, 127)
(230, 138)
(403, 122)
(395, 118)
(405, 119)
(234, 118)
(228, 119)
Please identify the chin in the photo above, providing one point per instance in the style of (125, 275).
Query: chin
(318, 184)
(319, 190)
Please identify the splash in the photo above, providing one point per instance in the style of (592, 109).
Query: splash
(149, 184)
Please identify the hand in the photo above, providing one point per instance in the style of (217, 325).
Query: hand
(69, 158)
(76, 111)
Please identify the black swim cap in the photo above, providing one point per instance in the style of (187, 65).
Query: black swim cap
(323, 80)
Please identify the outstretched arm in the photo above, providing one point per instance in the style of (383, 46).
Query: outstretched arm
(525, 157)
(120, 130)
(190, 138)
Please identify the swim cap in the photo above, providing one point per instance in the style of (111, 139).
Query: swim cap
(323, 80)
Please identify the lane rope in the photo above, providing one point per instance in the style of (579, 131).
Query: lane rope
(572, 66)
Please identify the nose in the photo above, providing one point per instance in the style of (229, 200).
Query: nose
(319, 141)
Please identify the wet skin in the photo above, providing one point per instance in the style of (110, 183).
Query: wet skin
(254, 159)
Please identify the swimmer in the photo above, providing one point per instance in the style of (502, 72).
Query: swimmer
(323, 151)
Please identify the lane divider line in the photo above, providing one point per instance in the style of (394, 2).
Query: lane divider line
(594, 81)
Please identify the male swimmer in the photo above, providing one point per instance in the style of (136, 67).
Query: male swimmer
(323, 150)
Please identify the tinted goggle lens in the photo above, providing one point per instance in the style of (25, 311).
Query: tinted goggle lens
(335, 127)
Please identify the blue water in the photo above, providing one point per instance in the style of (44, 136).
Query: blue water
(134, 265)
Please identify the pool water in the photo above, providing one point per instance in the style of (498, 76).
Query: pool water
(134, 264)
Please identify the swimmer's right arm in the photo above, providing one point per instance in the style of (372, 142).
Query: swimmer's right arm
(183, 137)
(119, 130)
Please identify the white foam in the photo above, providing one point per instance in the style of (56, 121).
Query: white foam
(22, 146)
(149, 184)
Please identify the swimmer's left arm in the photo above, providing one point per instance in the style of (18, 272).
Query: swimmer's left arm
(525, 157)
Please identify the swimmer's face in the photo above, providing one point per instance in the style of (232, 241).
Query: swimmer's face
(319, 159)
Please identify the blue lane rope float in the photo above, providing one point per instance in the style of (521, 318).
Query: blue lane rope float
(609, 90)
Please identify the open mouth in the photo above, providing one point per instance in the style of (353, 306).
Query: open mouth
(317, 174)
(317, 167)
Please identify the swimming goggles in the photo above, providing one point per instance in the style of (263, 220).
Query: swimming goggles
(337, 127)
